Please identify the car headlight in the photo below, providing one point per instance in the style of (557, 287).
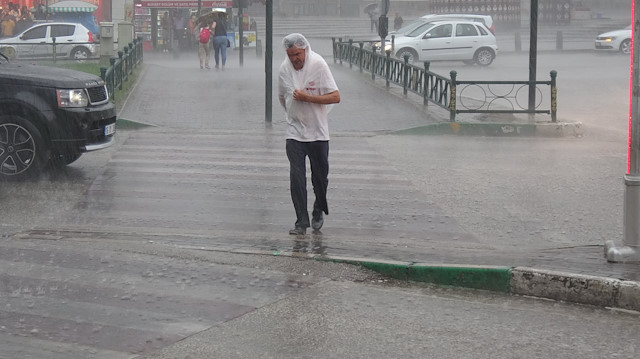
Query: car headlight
(609, 39)
(72, 98)
(387, 46)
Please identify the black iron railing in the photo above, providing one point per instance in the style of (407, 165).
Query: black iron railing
(451, 94)
(122, 66)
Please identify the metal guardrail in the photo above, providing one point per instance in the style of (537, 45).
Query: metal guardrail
(450, 94)
(122, 66)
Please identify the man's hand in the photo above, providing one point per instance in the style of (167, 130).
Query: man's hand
(301, 95)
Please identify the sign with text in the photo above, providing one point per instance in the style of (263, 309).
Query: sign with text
(184, 3)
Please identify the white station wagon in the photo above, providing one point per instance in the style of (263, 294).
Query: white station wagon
(457, 40)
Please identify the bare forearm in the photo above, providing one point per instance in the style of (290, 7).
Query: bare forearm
(326, 99)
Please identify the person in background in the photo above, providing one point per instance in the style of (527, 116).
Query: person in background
(374, 16)
(397, 22)
(7, 25)
(193, 36)
(305, 89)
(24, 22)
(165, 23)
(204, 48)
(220, 40)
(41, 12)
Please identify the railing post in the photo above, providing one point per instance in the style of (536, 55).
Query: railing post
(425, 86)
(340, 51)
(554, 96)
(54, 49)
(112, 61)
(452, 97)
(393, 43)
(130, 57)
(350, 49)
(374, 57)
(335, 49)
(122, 70)
(387, 68)
(361, 55)
(126, 60)
(405, 74)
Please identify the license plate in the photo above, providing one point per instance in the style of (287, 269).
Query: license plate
(109, 129)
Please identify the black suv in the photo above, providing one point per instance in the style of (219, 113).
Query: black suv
(50, 116)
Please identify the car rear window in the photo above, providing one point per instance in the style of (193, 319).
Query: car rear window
(466, 30)
(483, 32)
(62, 30)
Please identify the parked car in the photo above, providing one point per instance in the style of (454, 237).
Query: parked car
(448, 40)
(619, 40)
(50, 115)
(73, 41)
(486, 20)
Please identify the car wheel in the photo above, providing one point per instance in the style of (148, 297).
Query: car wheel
(484, 57)
(625, 47)
(9, 52)
(63, 159)
(413, 55)
(22, 149)
(80, 54)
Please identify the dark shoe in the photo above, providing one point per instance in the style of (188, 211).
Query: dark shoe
(317, 220)
(298, 231)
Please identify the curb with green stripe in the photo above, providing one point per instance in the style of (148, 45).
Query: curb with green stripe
(567, 287)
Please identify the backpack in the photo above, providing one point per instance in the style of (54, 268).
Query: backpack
(204, 35)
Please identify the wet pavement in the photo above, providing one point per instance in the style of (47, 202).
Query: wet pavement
(211, 173)
(122, 268)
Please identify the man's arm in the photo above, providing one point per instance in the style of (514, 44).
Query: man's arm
(326, 99)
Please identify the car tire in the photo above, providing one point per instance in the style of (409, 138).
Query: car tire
(61, 160)
(484, 56)
(23, 151)
(413, 55)
(625, 47)
(80, 54)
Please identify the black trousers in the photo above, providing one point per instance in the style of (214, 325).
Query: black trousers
(318, 153)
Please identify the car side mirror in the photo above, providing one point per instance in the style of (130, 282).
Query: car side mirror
(427, 36)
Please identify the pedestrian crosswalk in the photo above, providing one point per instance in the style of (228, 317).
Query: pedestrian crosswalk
(78, 295)
(108, 280)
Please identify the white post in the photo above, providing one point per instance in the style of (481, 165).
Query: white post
(630, 250)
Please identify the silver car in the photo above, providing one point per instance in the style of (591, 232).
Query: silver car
(467, 41)
(72, 41)
(619, 40)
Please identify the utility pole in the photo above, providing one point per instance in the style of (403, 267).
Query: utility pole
(268, 63)
(533, 58)
(630, 249)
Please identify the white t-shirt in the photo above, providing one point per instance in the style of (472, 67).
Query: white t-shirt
(306, 121)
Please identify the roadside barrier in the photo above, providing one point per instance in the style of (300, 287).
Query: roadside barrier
(122, 66)
(451, 94)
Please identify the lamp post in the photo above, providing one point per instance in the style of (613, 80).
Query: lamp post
(630, 249)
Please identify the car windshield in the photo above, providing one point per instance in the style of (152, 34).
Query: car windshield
(409, 27)
(420, 29)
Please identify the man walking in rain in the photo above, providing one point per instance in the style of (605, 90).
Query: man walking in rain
(306, 90)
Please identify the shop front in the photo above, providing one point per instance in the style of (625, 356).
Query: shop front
(148, 21)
